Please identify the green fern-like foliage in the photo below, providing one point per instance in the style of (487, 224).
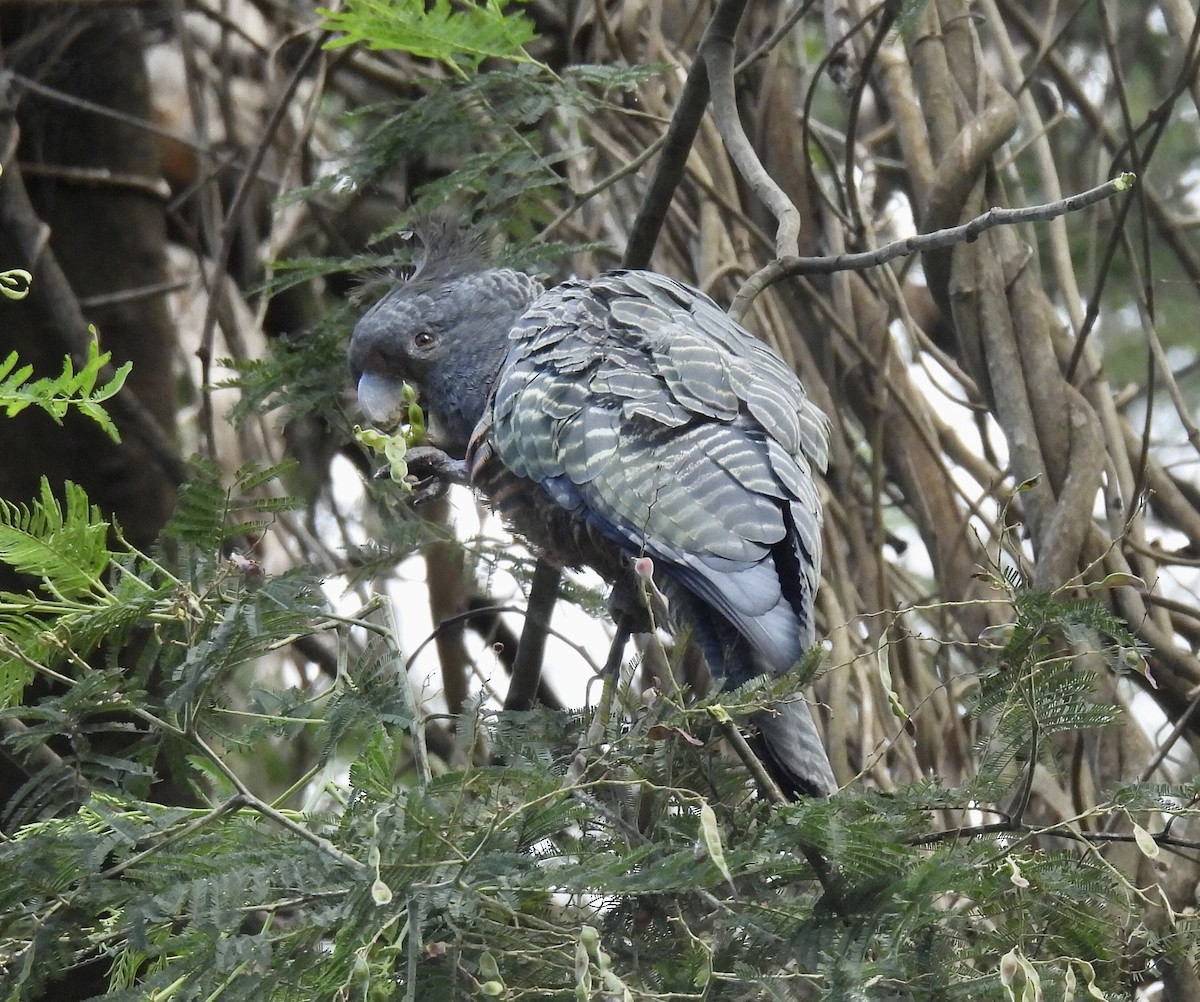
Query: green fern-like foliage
(654, 872)
(69, 389)
(65, 545)
(459, 37)
(502, 875)
(1038, 688)
(505, 170)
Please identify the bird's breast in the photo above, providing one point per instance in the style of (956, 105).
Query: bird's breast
(532, 511)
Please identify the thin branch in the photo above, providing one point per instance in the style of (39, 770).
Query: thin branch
(786, 267)
(579, 199)
(717, 51)
(268, 811)
(603, 711)
(229, 230)
(741, 747)
(132, 295)
(173, 835)
(1162, 839)
(886, 20)
(578, 648)
(83, 104)
(790, 20)
(681, 134)
(101, 177)
(1177, 731)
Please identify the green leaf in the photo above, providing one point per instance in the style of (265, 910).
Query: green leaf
(65, 546)
(710, 831)
(69, 389)
(439, 31)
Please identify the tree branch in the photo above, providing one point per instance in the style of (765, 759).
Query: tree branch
(716, 49)
(786, 267)
(681, 134)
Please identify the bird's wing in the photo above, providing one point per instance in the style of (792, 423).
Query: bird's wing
(640, 406)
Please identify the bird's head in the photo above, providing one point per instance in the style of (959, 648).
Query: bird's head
(445, 331)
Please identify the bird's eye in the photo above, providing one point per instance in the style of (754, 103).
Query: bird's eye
(423, 339)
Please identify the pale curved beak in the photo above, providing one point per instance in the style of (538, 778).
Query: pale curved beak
(381, 399)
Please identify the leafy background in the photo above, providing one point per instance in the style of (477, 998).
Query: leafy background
(237, 759)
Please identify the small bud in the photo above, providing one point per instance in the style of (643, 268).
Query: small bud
(1009, 965)
(1145, 842)
(1015, 877)
(381, 894)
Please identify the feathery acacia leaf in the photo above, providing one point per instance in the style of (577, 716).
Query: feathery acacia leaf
(456, 37)
(70, 389)
(64, 544)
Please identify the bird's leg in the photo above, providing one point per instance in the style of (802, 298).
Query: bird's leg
(627, 607)
(531, 649)
(432, 472)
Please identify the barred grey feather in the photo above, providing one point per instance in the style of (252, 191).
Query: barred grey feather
(623, 416)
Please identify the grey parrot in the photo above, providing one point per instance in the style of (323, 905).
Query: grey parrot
(621, 417)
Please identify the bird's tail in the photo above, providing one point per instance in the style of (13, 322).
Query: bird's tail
(787, 740)
(791, 749)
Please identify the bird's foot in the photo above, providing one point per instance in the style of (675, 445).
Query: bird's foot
(430, 472)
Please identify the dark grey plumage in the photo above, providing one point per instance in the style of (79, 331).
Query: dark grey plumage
(624, 416)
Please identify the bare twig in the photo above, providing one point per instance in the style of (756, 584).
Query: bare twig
(717, 51)
(786, 267)
(229, 230)
(267, 810)
(473, 613)
(83, 104)
(603, 711)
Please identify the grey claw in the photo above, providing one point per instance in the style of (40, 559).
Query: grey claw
(431, 472)
(428, 489)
